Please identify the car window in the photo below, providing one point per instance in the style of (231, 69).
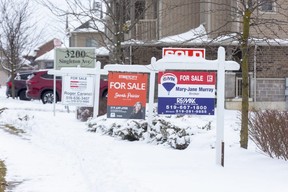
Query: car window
(30, 76)
(23, 76)
(48, 76)
(17, 77)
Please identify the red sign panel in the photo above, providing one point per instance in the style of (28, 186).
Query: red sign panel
(191, 52)
(126, 95)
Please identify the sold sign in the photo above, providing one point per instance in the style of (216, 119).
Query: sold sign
(191, 52)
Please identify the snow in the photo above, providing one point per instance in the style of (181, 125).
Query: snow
(50, 54)
(47, 56)
(57, 153)
(198, 34)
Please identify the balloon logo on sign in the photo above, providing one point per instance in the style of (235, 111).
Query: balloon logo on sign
(168, 81)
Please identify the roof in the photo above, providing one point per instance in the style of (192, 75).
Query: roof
(198, 36)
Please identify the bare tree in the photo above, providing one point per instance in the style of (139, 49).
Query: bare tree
(15, 35)
(241, 21)
(113, 19)
(247, 21)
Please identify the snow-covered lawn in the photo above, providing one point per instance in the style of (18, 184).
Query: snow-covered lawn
(58, 154)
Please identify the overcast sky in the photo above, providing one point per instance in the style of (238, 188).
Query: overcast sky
(50, 25)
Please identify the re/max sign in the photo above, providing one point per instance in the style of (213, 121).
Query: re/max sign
(191, 52)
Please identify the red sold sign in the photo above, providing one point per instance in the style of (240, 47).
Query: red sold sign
(191, 52)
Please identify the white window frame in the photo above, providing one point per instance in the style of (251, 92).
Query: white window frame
(90, 42)
(265, 10)
(238, 87)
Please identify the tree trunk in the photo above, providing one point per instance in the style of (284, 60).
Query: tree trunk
(245, 80)
(13, 95)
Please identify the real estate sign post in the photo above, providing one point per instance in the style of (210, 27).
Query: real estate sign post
(173, 62)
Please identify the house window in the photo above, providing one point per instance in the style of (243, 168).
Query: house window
(139, 9)
(49, 65)
(91, 43)
(267, 6)
(239, 87)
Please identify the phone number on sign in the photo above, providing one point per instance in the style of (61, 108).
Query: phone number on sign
(191, 111)
(186, 107)
(79, 98)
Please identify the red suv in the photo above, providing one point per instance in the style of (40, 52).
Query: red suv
(40, 86)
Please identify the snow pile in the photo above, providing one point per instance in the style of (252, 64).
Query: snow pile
(16, 123)
(164, 130)
(56, 153)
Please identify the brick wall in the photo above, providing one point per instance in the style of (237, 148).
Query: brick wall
(272, 62)
(270, 89)
(142, 55)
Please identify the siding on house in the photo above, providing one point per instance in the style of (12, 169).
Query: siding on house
(80, 39)
(3, 77)
(176, 17)
(172, 17)
(272, 30)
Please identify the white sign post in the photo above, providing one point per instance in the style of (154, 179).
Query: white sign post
(172, 62)
(71, 57)
(76, 71)
(184, 62)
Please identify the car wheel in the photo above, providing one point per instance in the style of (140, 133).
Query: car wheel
(22, 96)
(47, 97)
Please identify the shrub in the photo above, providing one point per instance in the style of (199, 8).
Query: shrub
(166, 132)
(2, 109)
(161, 132)
(268, 129)
(3, 182)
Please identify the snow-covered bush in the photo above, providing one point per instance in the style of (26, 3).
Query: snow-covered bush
(18, 123)
(175, 131)
(131, 130)
(166, 132)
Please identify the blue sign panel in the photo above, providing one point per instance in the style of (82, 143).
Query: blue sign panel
(186, 93)
(186, 105)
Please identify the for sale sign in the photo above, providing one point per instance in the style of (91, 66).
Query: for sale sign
(186, 93)
(191, 52)
(78, 90)
(127, 95)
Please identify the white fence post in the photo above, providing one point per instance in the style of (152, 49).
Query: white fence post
(220, 107)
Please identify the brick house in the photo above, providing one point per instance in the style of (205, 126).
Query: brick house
(169, 18)
(85, 35)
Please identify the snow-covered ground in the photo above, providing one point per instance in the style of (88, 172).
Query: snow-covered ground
(58, 154)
